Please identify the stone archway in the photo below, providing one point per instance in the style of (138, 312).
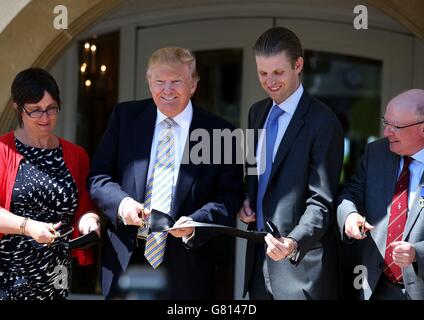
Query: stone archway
(44, 44)
(408, 13)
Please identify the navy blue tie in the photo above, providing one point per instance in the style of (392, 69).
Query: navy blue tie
(271, 136)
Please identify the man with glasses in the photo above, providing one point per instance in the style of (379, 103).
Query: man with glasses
(380, 206)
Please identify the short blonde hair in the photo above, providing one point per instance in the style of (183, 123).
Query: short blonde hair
(172, 56)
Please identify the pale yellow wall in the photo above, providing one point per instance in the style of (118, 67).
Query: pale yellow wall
(409, 13)
(9, 9)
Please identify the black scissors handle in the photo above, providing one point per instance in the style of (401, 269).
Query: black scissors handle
(272, 229)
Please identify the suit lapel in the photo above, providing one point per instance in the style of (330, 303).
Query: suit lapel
(391, 173)
(389, 182)
(143, 135)
(259, 119)
(296, 123)
(415, 211)
(188, 171)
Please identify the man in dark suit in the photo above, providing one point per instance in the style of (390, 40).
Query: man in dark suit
(300, 156)
(141, 164)
(385, 198)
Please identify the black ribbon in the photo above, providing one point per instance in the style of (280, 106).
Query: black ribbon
(160, 221)
(81, 242)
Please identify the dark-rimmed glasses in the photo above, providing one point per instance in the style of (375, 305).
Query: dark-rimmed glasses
(52, 111)
(385, 123)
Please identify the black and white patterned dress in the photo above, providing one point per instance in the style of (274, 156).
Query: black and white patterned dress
(45, 191)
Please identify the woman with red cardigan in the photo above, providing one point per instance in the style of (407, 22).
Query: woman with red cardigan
(42, 192)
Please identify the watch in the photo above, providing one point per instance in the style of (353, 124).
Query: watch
(294, 251)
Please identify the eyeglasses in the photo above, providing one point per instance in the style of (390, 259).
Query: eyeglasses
(397, 128)
(39, 113)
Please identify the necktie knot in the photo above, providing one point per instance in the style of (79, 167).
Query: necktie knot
(169, 122)
(276, 112)
(406, 162)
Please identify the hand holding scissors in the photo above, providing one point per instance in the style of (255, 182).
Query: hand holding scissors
(356, 226)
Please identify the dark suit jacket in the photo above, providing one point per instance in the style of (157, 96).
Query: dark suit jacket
(204, 192)
(370, 191)
(299, 199)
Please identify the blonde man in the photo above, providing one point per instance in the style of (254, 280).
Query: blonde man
(138, 167)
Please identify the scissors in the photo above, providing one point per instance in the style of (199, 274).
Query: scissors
(362, 227)
(59, 235)
(272, 229)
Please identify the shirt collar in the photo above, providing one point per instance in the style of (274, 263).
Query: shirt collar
(290, 104)
(419, 156)
(182, 119)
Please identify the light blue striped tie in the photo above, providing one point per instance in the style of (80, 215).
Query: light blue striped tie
(159, 191)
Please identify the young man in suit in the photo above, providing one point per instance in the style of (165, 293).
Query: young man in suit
(140, 165)
(300, 155)
(381, 206)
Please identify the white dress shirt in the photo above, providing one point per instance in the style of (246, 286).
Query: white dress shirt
(180, 132)
(289, 106)
(416, 169)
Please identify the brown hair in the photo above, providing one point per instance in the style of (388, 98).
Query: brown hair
(277, 40)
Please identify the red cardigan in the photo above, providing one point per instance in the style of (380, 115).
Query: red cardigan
(76, 159)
